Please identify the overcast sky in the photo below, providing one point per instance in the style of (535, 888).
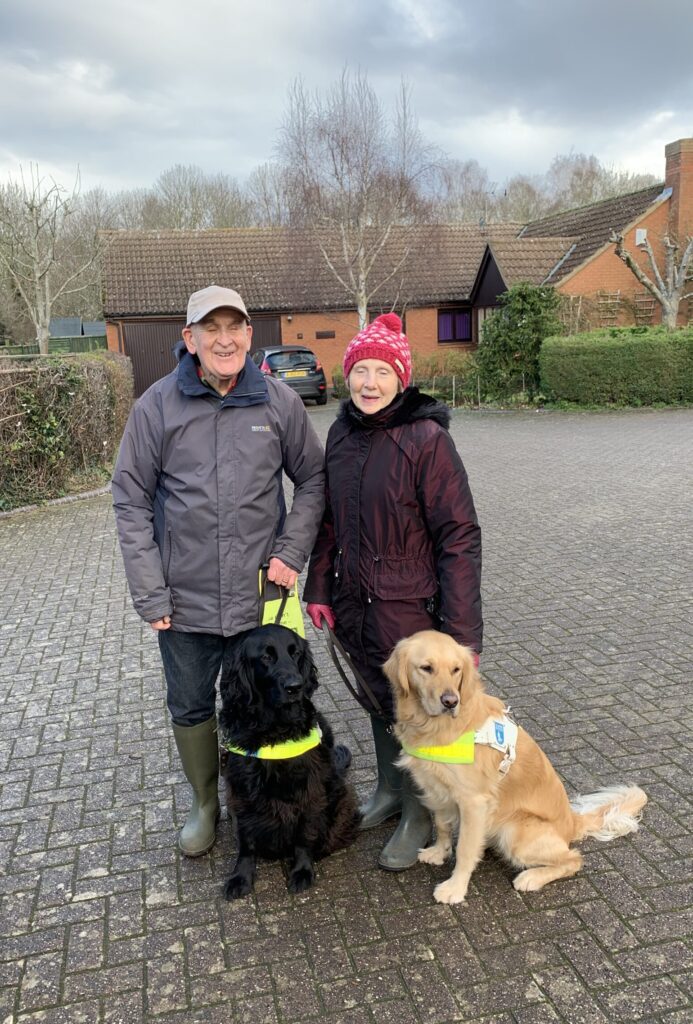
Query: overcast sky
(128, 88)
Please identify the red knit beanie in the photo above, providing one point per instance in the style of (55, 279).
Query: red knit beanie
(382, 339)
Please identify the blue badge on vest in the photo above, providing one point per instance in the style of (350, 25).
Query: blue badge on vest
(500, 732)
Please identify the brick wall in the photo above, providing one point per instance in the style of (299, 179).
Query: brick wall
(112, 336)
(606, 273)
(421, 327)
(302, 330)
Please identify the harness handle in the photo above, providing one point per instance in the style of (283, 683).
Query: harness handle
(283, 591)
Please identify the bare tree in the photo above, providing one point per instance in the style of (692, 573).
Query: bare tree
(185, 197)
(575, 179)
(136, 209)
(268, 189)
(523, 199)
(464, 193)
(669, 287)
(352, 178)
(45, 258)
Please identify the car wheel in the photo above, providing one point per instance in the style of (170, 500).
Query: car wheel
(321, 400)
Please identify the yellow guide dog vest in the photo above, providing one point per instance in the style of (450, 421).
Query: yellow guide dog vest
(499, 733)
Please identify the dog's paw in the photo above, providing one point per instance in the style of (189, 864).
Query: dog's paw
(237, 886)
(300, 879)
(434, 854)
(528, 881)
(450, 891)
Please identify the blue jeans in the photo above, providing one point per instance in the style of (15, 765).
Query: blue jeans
(191, 665)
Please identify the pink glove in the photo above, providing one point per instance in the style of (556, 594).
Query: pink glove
(475, 656)
(318, 612)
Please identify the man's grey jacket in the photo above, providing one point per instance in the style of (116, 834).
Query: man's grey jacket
(198, 496)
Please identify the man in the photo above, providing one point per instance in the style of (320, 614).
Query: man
(198, 499)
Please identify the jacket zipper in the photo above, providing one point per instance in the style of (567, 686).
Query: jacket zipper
(170, 553)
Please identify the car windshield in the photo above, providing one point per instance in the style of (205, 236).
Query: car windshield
(291, 360)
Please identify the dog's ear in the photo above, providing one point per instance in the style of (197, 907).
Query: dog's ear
(307, 666)
(236, 683)
(470, 682)
(395, 668)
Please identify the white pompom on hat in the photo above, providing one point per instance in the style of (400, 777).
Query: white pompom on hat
(382, 339)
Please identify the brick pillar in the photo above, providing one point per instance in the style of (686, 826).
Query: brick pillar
(679, 177)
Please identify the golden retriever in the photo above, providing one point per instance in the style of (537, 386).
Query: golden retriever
(520, 807)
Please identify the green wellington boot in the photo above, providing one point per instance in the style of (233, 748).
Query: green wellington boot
(412, 833)
(198, 750)
(386, 799)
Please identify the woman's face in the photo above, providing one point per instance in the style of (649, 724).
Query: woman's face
(373, 384)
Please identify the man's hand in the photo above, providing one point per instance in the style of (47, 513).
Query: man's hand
(164, 623)
(279, 572)
(318, 612)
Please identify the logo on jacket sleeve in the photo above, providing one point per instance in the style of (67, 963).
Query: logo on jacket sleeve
(262, 428)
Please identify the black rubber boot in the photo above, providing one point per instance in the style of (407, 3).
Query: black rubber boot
(198, 750)
(386, 799)
(412, 833)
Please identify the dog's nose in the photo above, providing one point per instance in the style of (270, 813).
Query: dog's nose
(292, 686)
(449, 700)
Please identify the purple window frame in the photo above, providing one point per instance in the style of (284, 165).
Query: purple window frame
(454, 325)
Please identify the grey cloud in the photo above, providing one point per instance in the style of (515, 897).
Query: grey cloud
(206, 83)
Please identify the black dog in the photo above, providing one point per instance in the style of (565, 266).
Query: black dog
(287, 803)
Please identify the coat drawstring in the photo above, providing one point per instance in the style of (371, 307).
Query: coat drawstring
(371, 574)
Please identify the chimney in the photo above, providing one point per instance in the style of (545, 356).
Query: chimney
(679, 178)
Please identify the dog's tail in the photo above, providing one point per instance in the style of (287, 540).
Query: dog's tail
(608, 813)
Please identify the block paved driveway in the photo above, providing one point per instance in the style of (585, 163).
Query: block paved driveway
(587, 585)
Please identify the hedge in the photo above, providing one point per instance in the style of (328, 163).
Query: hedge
(619, 365)
(59, 417)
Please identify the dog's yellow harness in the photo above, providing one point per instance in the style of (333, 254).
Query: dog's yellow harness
(279, 751)
(499, 733)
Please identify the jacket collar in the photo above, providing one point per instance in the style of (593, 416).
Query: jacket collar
(251, 387)
(410, 406)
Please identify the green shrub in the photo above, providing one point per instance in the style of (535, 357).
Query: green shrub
(339, 387)
(59, 417)
(508, 355)
(620, 365)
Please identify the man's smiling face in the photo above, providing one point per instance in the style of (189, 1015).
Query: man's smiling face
(220, 341)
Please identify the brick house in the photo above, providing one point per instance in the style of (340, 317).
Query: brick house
(291, 295)
(599, 288)
(450, 280)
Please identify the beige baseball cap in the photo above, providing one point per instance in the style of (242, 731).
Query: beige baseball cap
(203, 302)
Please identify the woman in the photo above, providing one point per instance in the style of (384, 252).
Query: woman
(399, 547)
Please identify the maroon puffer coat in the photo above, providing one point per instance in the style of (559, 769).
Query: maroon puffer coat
(399, 548)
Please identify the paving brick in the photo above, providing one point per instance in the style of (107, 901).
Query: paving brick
(645, 999)
(570, 996)
(433, 998)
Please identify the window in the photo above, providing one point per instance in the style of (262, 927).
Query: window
(324, 334)
(291, 360)
(454, 325)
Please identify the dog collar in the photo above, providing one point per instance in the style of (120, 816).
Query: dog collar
(279, 751)
(499, 733)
